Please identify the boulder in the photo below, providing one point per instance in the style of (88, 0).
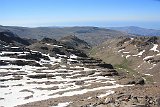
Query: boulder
(140, 81)
(79, 82)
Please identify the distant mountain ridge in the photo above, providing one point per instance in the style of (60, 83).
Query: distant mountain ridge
(92, 35)
(137, 30)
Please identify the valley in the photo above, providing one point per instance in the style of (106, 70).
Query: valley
(69, 72)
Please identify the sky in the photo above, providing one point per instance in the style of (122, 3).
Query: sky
(101, 13)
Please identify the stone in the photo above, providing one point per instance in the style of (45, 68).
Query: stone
(79, 82)
(140, 81)
(158, 101)
(89, 73)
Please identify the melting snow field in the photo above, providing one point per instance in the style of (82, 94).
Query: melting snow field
(20, 84)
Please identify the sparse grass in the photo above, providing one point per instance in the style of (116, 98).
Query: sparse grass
(93, 51)
(125, 67)
(149, 79)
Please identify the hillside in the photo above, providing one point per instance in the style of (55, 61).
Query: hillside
(8, 37)
(73, 41)
(51, 73)
(92, 35)
(137, 30)
(50, 69)
(136, 56)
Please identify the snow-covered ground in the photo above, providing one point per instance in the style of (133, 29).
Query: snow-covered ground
(64, 80)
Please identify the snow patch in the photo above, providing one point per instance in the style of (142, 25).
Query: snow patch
(148, 74)
(153, 66)
(106, 94)
(155, 48)
(128, 56)
(126, 52)
(54, 45)
(140, 53)
(72, 56)
(147, 57)
(121, 50)
(62, 104)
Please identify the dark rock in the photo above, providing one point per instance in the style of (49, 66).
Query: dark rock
(28, 97)
(74, 62)
(1, 98)
(39, 76)
(3, 63)
(4, 86)
(131, 82)
(108, 73)
(79, 82)
(23, 63)
(44, 48)
(56, 50)
(140, 81)
(158, 102)
(104, 65)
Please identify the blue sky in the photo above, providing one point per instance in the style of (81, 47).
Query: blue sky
(103, 13)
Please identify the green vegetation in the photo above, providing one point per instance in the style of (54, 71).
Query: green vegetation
(149, 79)
(93, 51)
(125, 66)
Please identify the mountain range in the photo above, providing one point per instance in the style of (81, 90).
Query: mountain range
(137, 30)
(92, 35)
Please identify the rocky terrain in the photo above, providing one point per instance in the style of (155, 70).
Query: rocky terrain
(138, 54)
(50, 69)
(51, 73)
(137, 60)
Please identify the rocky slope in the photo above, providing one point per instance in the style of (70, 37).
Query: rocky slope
(137, 60)
(11, 38)
(138, 55)
(49, 69)
(73, 41)
(51, 73)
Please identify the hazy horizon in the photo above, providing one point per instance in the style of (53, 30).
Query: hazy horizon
(100, 13)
